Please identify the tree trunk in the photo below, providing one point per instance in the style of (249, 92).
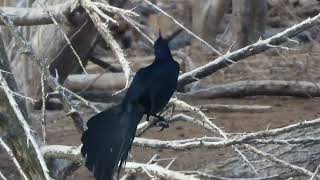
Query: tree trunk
(248, 23)
(16, 137)
(305, 155)
(206, 17)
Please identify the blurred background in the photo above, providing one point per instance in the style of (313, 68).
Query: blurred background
(269, 89)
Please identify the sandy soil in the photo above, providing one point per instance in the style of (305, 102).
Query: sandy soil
(293, 65)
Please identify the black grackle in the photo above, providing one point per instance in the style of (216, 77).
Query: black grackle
(108, 139)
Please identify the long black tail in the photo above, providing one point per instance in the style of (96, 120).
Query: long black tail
(108, 139)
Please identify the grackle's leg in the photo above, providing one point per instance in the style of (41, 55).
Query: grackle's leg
(148, 117)
(161, 122)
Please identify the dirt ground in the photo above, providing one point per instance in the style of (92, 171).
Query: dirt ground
(285, 110)
(302, 64)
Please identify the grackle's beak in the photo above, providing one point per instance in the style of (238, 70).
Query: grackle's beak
(160, 36)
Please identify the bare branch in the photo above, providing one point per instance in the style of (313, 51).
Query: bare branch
(204, 119)
(112, 9)
(246, 160)
(274, 159)
(36, 16)
(43, 97)
(134, 25)
(22, 96)
(186, 29)
(64, 35)
(2, 177)
(73, 153)
(258, 47)
(156, 171)
(214, 142)
(256, 88)
(52, 81)
(315, 174)
(62, 152)
(15, 161)
(235, 108)
(107, 36)
(24, 124)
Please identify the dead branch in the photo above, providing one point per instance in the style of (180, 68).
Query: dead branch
(19, 139)
(105, 82)
(62, 152)
(260, 87)
(104, 64)
(14, 159)
(257, 88)
(73, 153)
(2, 176)
(24, 125)
(103, 29)
(258, 47)
(250, 138)
(52, 81)
(235, 108)
(279, 161)
(51, 45)
(284, 142)
(315, 174)
(156, 171)
(144, 126)
(186, 29)
(50, 13)
(203, 118)
(101, 96)
(36, 16)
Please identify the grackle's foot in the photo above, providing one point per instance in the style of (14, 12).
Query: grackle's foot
(148, 117)
(161, 122)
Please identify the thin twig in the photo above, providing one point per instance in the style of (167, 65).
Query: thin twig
(52, 81)
(315, 174)
(81, 99)
(246, 160)
(279, 161)
(22, 96)
(36, 16)
(258, 47)
(204, 118)
(24, 124)
(108, 37)
(64, 35)
(133, 24)
(113, 9)
(43, 97)
(15, 161)
(187, 30)
(2, 177)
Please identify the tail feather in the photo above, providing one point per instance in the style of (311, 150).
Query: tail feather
(108, 140)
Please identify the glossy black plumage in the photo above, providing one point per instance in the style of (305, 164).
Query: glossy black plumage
(108, 139)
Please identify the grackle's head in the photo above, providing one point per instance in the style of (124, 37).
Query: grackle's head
(161, 48)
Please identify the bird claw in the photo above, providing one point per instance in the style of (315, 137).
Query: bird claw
(161, 122)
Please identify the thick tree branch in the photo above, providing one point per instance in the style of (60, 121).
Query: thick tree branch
(52, 81)
(73, 153)
(103, 29)
(19, 139)
(38, 16)
(283, 138)
(258, 47)
(14, 159)
(276, 160)
(256, 88)
(156, 171)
